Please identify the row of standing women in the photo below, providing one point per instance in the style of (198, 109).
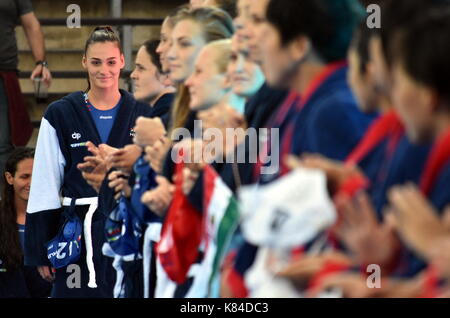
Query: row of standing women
(138, 222)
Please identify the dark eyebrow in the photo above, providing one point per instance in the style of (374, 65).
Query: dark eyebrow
(140, 65)
(109, 58)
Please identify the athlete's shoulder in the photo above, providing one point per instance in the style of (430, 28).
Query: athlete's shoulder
(127, 98)
(143, 109)
(61, 106)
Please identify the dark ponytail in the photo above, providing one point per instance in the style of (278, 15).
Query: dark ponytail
(150, 47)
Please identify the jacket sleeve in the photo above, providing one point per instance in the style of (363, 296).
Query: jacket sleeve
(44, 205)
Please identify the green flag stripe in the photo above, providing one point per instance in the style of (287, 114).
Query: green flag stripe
(228, 225)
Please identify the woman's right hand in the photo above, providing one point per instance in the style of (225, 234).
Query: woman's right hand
(155, 154)
(148, 131)
(46, 273)
(93, 170)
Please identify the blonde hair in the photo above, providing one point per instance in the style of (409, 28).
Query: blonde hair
(223, 58)
(215, 24)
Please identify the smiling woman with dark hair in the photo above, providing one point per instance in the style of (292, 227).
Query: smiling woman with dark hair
(17, 280)
(58, 233)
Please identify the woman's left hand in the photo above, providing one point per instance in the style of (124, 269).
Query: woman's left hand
(118, 181)
(159, 199)
(415, 219)
(124, 159)
(359, 229)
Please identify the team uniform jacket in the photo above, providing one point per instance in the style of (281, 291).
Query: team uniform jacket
(66, 127)
(327, 121)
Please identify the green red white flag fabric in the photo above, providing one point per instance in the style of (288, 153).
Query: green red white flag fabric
(221, 218)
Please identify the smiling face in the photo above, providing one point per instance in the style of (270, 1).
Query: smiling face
(187, 42)
(21, 180)
(103, 61)
(207, 85)
(165, 43)
(246, 76)
(147, 81)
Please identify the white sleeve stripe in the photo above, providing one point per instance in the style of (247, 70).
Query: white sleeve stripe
(48, 171)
